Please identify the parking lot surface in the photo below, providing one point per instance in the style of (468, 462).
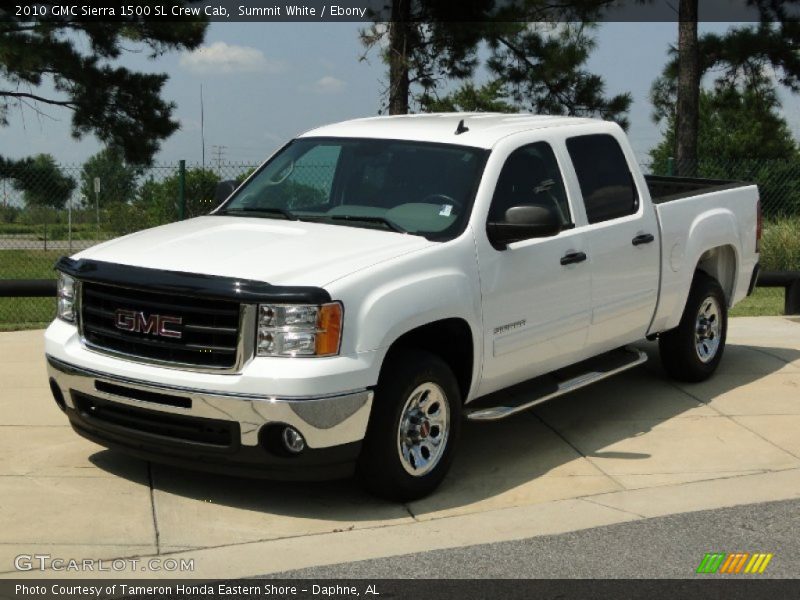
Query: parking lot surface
(630, 448)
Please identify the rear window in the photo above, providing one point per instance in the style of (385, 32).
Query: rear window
(604, 177)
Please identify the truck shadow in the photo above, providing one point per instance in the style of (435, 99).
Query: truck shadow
(589, 442)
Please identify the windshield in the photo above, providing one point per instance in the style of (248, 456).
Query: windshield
(411, 187)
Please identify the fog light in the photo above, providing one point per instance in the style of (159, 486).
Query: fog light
(293, 440)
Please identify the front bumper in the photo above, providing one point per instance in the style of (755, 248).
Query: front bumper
(223, 432)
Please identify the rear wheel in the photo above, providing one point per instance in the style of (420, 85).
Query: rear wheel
(413, 428)
(693, 350)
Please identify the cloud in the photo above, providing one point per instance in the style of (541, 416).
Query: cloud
(220, 57)
(328, 85)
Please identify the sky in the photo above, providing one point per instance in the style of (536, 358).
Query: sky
(263, 83)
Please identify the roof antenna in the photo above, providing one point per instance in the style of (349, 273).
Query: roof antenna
(461, 127)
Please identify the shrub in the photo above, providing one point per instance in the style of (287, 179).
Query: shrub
(780, 245)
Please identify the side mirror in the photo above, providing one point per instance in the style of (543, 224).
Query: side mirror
(223, 190)
(523, 223)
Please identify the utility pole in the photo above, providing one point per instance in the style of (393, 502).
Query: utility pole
(218, 151)
(97, 205)
(202, 129)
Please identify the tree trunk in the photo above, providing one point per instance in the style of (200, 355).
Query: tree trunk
(688, 108)
(399, 81)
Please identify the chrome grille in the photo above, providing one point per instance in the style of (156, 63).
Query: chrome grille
(209, 328)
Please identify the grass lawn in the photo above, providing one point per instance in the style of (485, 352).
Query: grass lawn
(28, 264)
(763, 302)
(27, 313)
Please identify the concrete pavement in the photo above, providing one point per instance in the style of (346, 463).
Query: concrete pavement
(630, 448)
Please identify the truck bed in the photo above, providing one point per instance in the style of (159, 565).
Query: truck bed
(667, 188)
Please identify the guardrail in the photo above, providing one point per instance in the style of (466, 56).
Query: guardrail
(789, 280)
(27, 288)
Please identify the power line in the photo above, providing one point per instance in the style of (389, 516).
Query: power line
(218, 152)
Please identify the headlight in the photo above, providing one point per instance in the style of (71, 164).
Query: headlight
(66, 297)
(299, 330)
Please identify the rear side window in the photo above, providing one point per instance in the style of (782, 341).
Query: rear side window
(530, 177)
(604, 176)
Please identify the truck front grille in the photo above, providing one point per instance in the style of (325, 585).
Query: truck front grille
(199, 332)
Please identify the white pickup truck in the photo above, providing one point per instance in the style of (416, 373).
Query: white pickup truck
(376, 281)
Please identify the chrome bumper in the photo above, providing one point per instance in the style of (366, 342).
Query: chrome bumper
(324, 421)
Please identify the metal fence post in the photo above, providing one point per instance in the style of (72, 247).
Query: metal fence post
(182, 190)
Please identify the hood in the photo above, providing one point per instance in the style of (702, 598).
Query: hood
(268, 250)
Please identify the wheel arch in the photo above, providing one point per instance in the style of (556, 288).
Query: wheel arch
(451, 339)
(721, 263)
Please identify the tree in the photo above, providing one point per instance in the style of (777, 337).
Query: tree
(160, 198)
(688, 92)
(67, 63)
(743, 136)
(42, 182)
(740, 57)
(490, 97)
(422, 47)
(539, 68)
(117, 178)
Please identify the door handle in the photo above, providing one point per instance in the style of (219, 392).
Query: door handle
(572, 258)
(644, 238)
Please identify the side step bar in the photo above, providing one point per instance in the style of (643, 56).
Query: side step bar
(535, 391)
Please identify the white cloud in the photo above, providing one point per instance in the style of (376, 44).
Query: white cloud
(328, 85)
(220, 57)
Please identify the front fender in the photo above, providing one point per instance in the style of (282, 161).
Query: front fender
(386, 301)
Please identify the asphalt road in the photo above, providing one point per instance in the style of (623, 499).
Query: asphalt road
(664, 547)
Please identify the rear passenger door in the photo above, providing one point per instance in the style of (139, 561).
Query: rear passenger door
(622, 242)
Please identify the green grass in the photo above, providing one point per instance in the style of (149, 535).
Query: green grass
(27, 313)
(763, 302)
(28, 264)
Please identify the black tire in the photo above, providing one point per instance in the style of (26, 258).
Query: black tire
(380, 467)
(679, 350)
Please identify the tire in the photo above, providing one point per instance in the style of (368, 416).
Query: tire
(393, 465)
(692, 351)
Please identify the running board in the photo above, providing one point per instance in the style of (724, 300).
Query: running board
(535, 391)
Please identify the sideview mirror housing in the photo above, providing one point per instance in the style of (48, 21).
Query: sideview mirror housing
(523, 223)
(223, 190)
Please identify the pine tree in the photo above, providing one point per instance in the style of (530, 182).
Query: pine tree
(68, 63)
(534, 68)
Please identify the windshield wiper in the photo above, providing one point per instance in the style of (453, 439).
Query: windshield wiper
(368, 219)
(288, 215)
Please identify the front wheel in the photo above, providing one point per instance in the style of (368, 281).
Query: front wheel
(413, 428)
(692, 351)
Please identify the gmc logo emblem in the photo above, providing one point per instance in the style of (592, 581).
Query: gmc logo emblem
(138, 322)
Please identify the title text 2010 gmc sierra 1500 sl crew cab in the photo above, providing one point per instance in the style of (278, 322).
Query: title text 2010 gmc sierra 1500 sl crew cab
(378, 280)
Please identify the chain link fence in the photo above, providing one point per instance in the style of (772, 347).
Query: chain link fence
(47, 211)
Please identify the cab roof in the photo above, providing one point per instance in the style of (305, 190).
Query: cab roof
(484, 129)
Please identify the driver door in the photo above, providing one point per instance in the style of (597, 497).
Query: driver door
(536, 292)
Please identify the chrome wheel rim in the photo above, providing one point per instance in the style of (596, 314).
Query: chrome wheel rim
(708, 328)
(423, 430)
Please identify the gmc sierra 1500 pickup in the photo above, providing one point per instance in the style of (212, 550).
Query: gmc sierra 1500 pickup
(376, 281)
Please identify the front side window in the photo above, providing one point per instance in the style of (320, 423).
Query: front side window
(604, 177)
(413, 187)
(530, 177)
